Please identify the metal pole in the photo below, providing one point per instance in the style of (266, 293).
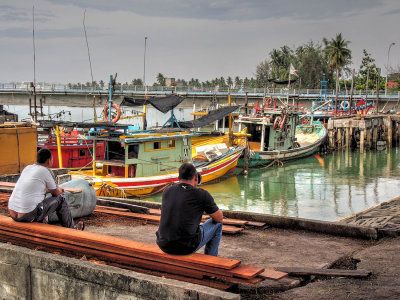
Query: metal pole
(387, 67)
(144, 61)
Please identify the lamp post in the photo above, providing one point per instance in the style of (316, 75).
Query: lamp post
(144, 62)
(387, 67)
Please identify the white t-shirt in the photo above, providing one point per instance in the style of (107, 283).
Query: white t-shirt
(30, 188)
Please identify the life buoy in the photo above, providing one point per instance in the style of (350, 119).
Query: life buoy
(344, 105)
(282, 123)
(276, 122)
(105, 112)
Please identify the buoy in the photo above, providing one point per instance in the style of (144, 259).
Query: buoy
(276, 123)
(105, 112)
(282, 123)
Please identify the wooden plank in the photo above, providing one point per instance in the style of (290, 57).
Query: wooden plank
(324, 272)
(256, 224)
(231, 229)
(112, 208)
(234, 222)
(7, 184)
(110, 243)
(131, 207)
(149, 218)
(272, 274)
(153, 211)
(244, 272)
(144, 266)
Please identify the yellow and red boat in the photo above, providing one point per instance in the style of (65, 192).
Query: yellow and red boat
(146, 162)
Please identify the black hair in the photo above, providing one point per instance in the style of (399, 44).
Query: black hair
(187, 171)
(43, 155)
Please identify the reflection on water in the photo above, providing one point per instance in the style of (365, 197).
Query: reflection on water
(343, 184)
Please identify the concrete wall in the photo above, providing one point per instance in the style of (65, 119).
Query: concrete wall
(30, 274)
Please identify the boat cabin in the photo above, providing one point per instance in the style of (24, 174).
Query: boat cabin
(275, 130)
(142, 155)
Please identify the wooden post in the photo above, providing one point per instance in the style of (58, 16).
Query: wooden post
(262, 138)
(389, 125)
(339, 137)
(347, 138)
(331, 134)
(362, 141)
(374, 136)
(368, 142)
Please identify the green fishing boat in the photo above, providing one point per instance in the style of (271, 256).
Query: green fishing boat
(276, 137)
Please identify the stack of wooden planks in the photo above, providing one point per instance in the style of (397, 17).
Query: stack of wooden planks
(197, 268)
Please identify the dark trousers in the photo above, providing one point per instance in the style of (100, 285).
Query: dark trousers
(46, 208)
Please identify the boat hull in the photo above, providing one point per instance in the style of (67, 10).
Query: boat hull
(264, 158)
(145, 186)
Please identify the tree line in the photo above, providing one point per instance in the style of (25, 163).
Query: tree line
(304, 66)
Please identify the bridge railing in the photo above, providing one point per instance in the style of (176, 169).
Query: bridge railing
(48, 87)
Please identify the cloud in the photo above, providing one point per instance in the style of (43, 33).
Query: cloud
(239, 10)
(10, 13)
(44, 34)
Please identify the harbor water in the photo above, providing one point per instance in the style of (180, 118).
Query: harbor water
(328, 188)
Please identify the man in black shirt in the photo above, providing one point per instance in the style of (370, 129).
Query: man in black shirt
(182, 207)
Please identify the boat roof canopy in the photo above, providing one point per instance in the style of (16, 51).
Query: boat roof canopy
(212, 116)
(163, 104)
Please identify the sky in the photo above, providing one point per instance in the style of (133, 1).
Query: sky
(186, 39)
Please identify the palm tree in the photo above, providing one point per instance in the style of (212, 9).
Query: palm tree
(338, 56)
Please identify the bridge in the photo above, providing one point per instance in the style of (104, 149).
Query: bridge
(52, 94)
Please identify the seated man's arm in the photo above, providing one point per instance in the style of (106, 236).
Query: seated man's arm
(217, 216)
(56, 192)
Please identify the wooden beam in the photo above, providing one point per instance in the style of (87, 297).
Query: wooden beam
(325, 272)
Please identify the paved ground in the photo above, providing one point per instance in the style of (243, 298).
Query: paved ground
(272, 248)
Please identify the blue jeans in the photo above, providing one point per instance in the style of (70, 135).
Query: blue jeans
(211, 233)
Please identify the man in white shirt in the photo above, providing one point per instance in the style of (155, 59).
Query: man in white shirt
(27, 202)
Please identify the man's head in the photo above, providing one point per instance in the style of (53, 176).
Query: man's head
(189, 174)
(44, 157)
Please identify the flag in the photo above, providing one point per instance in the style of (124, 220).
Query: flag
(292, 70)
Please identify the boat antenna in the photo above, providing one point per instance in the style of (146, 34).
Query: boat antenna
(90, 65)
(34, 64)
(34, 47)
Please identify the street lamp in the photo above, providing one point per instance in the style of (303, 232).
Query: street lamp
(144, 62)
(387, 67)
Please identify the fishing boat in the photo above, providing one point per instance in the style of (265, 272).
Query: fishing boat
(75, 151)
(143, 163)
(276, 137)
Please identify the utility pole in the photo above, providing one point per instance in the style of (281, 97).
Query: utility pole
(144, 62)
(387, 67)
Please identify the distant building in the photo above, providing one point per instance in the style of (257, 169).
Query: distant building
(170, 82)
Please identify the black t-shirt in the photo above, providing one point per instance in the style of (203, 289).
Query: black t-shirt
(181, 211)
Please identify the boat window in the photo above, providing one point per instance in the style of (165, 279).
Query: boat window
(82, 152)
(115, 151)
(133, 151)
(160, 145)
